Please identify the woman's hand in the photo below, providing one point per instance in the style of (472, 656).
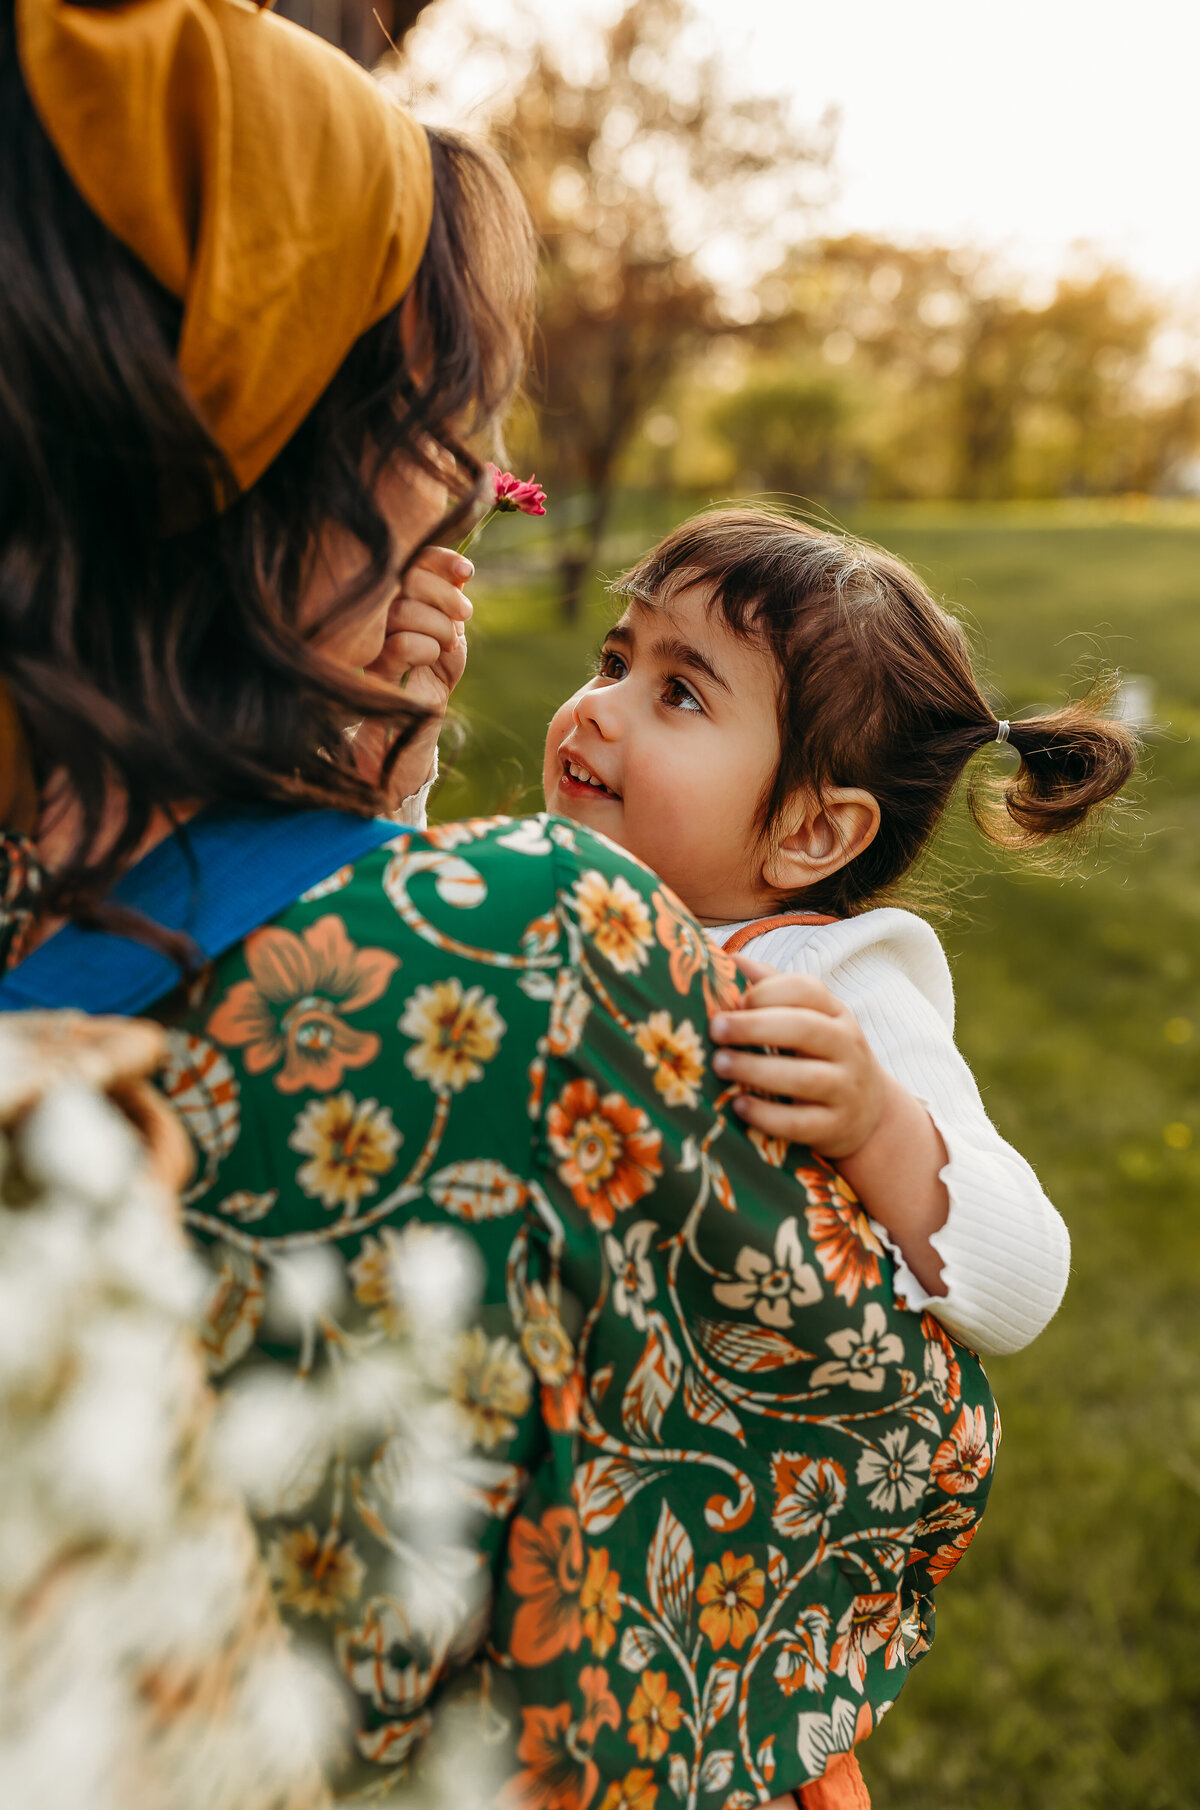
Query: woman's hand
(424, 656)
(839, 1100)
(833, 1088)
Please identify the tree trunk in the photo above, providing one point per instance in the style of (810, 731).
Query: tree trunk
(352, 25)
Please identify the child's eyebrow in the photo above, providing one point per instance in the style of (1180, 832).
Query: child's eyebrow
(672, 650)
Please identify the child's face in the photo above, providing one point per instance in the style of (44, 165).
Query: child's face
(679, 729)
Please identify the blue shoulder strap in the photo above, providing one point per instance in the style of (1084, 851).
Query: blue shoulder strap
(239, 870)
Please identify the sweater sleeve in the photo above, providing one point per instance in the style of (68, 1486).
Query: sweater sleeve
(1005, 1249)
(413, 813)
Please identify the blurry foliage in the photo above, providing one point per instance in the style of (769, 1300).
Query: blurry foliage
(633, 175)
(696, 334)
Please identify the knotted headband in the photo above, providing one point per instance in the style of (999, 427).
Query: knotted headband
(259, 174)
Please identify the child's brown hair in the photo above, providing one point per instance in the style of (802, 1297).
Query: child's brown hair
(877, 690)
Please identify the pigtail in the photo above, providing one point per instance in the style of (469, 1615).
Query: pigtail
(1074, 761)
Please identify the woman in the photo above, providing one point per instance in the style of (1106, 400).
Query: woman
(253, 322)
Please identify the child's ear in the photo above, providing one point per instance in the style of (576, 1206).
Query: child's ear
(820, 836)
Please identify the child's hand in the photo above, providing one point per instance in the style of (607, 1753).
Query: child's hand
(844, 1105)
(424, 657)
(834, 1090)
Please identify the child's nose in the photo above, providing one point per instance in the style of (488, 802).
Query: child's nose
(600, 710)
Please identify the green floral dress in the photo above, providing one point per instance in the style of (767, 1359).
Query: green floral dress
(721, 1468)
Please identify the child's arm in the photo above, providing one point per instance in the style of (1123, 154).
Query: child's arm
(1004, 1250)
(839, 1100)
(426, 640)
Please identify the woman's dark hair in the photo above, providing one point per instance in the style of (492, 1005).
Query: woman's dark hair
(877, 690)
(148, 634)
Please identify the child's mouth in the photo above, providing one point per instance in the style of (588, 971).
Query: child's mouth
(579, 781)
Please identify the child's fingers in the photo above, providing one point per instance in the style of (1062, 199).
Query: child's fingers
(794, 1124)
(796, 1079)
(754, 970)
(438, 592)
(454, 567)
(782, 1028)
(793, 990)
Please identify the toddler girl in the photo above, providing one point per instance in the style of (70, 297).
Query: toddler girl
(776, 726)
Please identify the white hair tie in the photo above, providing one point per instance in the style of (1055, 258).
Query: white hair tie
(1003, 729)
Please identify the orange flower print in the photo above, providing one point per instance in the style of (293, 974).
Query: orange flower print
(617, 920)
(544, 1339)
(315, 1576)
(350, 1144)
(600, 1707)
(724, 989)
(682, 939)
(943, 1372)
(654, 1715)
(675, 1055)
(557, 1774)
(729, 1594)
(946, 1557)
(963, 1460)
(809, 1492)
(600, 1602)
(546, 1572)
(636, 1791)
(846, 1247)
(868, 1624)
(609, 1150)
(802, 1661)
(456, 1033)
(291, 1010)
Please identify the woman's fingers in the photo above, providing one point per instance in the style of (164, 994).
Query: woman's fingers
(406, 650)
(443, 562)
(794, 1078)
(421, 585)
(411, 618)
(782, 1028)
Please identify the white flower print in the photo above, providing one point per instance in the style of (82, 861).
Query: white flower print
(773, 1287)
(898, 1470)
(863, 1356)
(633, 1285)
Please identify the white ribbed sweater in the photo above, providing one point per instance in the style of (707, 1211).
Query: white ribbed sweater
(1005, 1250)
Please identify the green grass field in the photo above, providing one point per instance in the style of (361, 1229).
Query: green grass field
(1067, 1670)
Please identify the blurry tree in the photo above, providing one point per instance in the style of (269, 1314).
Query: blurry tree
(791, 433)
(362, 28)
(636, 176)
(979, 392)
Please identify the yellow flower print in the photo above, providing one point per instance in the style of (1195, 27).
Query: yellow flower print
(315, 1576)
(490, 1382)
(350, 1143)
(373, 1274)
(600, 1601)
(676, 1056)
(456, 1033)
(616, 918)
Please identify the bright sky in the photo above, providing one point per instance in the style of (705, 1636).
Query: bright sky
(1026, 125)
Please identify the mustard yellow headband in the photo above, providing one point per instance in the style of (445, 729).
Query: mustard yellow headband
(260, 175)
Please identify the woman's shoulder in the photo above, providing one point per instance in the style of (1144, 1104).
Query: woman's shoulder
(858, 950)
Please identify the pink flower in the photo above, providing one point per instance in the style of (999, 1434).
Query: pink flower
(512, 494)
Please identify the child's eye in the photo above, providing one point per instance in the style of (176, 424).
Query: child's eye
(609, 665)
(677, 697)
